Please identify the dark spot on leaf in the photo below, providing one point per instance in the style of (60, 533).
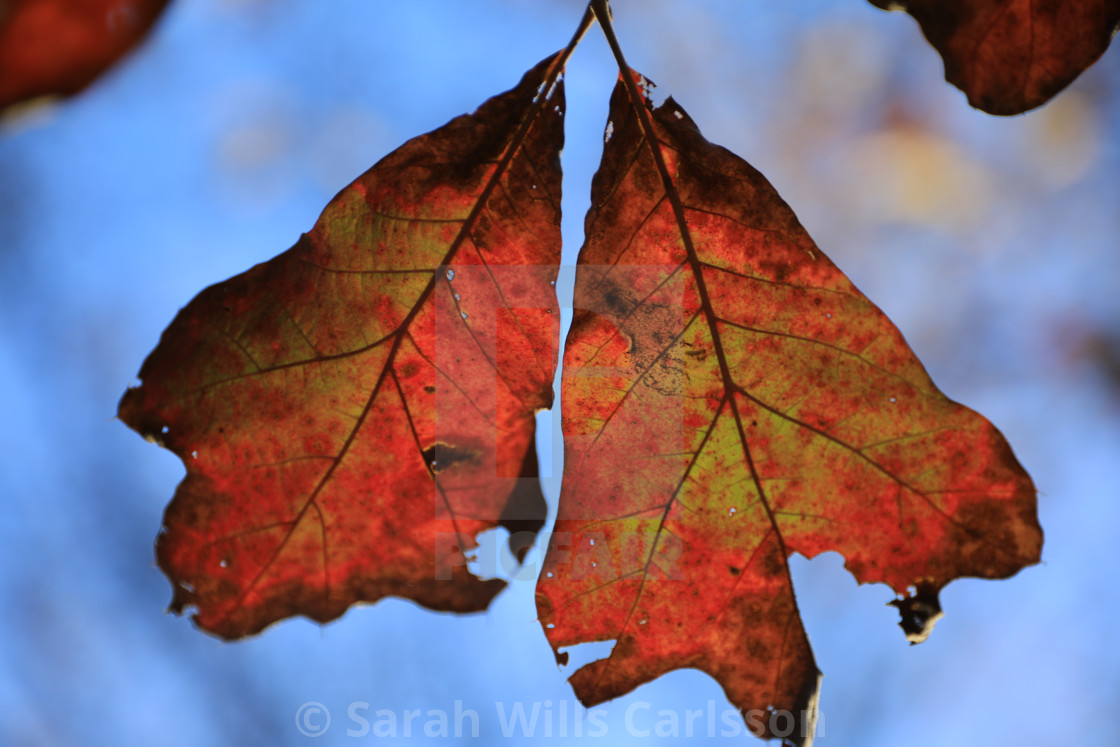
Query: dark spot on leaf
(771, 565)
(479, 238)
(440, 456)
(617, 302)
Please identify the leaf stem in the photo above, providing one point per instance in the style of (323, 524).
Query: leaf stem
(581, 31)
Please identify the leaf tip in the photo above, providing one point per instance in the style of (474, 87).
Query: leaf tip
(553, 79)
(804, 727)
(919, 611)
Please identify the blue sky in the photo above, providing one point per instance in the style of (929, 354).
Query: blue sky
(992, 243)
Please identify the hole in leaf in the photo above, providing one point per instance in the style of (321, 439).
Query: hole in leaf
(552, 88)
(440, 456)
(485, 561)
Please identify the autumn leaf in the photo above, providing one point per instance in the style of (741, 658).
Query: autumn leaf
(729, 399)
(58, 47)
(355, 411)
(1009, 56)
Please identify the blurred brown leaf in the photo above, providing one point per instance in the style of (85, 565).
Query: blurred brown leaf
(58, 47)
(1009, 56)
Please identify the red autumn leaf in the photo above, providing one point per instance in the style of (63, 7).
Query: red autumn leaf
(730, 398)
(355, 411)
(1009, 56)
(58, 47)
